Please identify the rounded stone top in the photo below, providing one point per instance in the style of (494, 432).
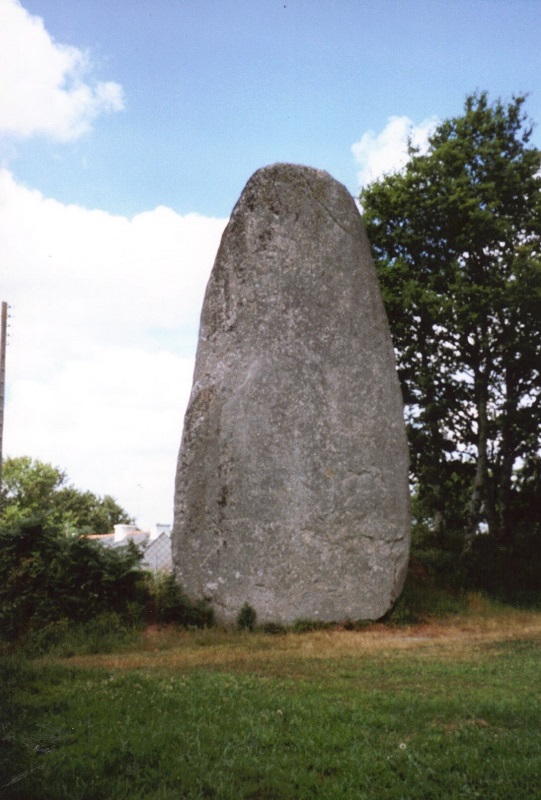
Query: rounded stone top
(282, 187)
(288, 170)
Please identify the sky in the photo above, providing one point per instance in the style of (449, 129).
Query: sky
(128, 129)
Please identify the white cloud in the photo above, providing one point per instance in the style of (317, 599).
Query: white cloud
(113, 421)
(386, 152)
(105, 313)
(42, 87)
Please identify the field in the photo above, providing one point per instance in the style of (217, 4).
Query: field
(445, 709)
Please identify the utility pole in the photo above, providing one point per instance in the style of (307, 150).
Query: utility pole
(3, 344)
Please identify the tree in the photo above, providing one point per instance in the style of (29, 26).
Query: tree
(33, 489)
(456, 237)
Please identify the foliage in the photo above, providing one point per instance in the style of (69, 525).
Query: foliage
(169, 604)
(423, 598)
(32, 488)
(247, 618)
(107, 632)
(415, 723)
(46, 577)
(457, 241)
(273, 628)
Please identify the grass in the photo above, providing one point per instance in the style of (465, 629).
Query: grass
(445, 709)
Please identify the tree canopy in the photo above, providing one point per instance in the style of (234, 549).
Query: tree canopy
(34, 489)
(456, 237)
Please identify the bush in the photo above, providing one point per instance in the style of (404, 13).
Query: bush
(508, 571)
(169, 604)
(246, 618)
(47, 577)
(423, 597)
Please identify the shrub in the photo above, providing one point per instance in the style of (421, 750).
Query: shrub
(46, 577)
(246, 618)
(422, 597)
(169, 604)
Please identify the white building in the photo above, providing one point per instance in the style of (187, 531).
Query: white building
(156, 545)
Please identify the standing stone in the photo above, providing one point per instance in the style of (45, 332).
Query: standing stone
(292, 479)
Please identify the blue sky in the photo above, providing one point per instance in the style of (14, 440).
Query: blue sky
(127, 132)
(215, 89)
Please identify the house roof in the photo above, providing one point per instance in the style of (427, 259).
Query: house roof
(108, 539)
(157, 552)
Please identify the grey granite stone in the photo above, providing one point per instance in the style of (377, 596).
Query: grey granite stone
(292, 480)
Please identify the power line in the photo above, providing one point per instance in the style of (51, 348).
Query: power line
(3, 344)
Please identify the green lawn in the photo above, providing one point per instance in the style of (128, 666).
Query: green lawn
(418, 713)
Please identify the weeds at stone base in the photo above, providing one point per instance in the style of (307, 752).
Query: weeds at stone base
(247, 618)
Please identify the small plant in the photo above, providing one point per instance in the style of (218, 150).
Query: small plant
(170, 606)
(247, 618)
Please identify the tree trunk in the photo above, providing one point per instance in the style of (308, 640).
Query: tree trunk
(507, 461)
(481, 500)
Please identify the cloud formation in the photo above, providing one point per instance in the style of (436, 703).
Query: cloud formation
(378, 155)
(42, 83)
(105, 313)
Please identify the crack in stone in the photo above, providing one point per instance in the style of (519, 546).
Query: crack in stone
(373, 538)
(331, 215)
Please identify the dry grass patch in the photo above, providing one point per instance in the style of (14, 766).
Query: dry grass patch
(298, 655)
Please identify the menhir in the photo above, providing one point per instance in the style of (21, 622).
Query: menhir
(292, 483)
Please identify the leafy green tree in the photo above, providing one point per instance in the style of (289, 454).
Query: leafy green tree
(456, 237)
(33, 489)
